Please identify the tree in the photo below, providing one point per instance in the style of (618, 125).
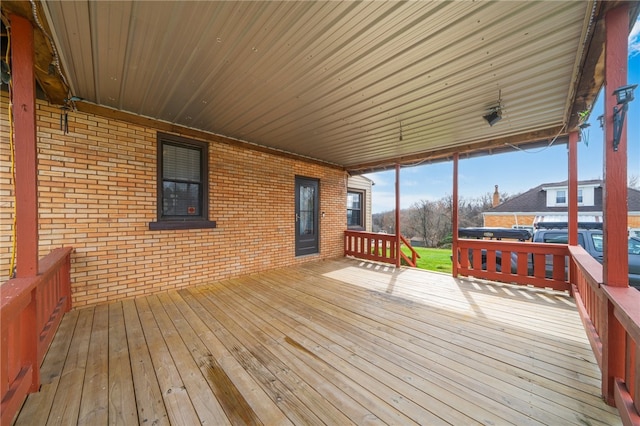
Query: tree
(431, 220)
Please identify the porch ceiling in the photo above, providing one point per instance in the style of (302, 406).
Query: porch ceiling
(360, 85)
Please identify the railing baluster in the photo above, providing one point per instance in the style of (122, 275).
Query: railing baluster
(527, 266)
(611, 316)
(31, 309)
(379, 247)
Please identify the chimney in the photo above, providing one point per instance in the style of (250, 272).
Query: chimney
(496, 197)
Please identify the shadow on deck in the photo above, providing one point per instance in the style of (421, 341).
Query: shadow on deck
(328, 342)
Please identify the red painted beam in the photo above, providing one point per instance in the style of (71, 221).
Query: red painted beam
(454, 217)
(573, 189)
(616, 267)
(398, 242)
(24, 114)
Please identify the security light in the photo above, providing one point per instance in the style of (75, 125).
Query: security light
(494, 116)
(624, 95)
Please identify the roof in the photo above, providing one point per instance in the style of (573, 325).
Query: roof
(361, 85)
(535, 200)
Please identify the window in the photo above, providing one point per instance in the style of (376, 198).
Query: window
(560, 238)
(182, 184)
(355, 210)
(561, 197)
(597, 242)
(579, 196)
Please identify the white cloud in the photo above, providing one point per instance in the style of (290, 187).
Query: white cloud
(381, 179)
(634, 39)
(385, 201)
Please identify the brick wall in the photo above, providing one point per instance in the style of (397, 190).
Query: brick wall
(507, 221)
(97, 193)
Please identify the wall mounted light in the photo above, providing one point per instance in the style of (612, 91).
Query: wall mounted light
(494, 115)
(624, 95)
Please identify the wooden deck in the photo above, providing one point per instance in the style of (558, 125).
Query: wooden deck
(330, 342)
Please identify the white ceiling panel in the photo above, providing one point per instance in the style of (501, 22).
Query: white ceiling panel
(348, 83)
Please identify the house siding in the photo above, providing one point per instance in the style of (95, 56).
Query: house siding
(97, 191)
(361, 183)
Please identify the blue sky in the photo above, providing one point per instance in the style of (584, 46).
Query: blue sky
(532, 167)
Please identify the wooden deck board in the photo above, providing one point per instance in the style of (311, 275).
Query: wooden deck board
(495, 367)
(327, 342)
(66, 404)
(38, 405)
(95, 393)
(149, 403)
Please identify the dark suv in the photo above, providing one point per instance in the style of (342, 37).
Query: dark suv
(590, 238)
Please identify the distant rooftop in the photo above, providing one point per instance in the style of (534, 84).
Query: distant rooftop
(535, 199)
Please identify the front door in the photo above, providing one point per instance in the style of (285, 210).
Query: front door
(306, 216)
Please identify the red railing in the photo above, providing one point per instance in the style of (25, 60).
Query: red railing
(537, 264)
(378, 247)
(611, 317)
(30, 311)
(414, 254)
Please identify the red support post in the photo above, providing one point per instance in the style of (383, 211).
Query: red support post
(24, 113)
(615, 264)
(573, 189)
(615, 235)
(398, 242)
(454, 217)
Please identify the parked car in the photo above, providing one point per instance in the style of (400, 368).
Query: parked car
(589, 237)
(495, 233)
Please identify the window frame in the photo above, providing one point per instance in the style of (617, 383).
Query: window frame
(182, 222)
(564, 197)
(362, 194)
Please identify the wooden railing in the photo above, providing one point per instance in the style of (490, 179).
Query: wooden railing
(611, 317)
(414, 254)
(378, 247)
(586, 281)
(30, 311)
(537, 264)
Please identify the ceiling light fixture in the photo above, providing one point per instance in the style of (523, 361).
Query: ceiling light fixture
(495, 113)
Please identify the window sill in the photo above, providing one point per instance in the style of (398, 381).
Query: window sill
(181, 224)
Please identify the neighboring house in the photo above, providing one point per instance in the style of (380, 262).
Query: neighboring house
(359, 203)
(549, 202)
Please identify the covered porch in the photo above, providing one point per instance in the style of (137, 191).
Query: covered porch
(170, 316)
(329, 342)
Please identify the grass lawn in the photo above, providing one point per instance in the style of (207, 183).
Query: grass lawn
(432, 259)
